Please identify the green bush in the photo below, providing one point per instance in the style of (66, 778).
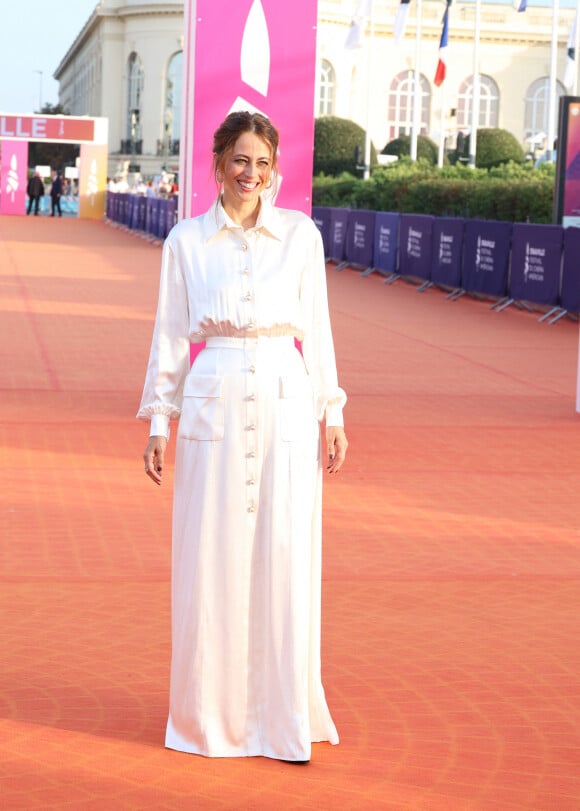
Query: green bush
(495, 147)
(401, 146)
(513, 192)
(335, 142)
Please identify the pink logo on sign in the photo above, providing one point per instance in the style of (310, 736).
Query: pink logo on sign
(13, 177)
(267, 54)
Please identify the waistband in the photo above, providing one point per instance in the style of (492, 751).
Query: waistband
(250, 343)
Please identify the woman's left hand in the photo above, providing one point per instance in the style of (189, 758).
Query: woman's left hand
(336, 445)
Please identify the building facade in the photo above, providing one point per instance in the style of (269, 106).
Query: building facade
(513, 65)
(126, 64)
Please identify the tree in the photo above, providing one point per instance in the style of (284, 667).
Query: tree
(337, 144)
(53, 109)
(495, 146)
(57, 156)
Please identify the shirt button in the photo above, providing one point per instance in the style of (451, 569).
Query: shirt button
(246, 272)
(251, 481)
(250, 454)
(251, 508)
(252, 370)
(250, 325)
(250, 427)
(244, 246)
(251, 397)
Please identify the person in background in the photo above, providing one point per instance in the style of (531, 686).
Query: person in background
(249, 280)
(35, 191)
(55, 194)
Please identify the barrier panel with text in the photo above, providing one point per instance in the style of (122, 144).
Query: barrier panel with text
(570, 296)
(321, 217)
(386, 242)
(536, 262)
(359, 243)
(338, 224)
(447, 251)
(486, 255)
(415, 240)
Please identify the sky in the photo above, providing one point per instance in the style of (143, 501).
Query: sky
(40, 33)
(36, 36)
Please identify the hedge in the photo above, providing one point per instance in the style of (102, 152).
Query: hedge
(513, 193)
(335, 141)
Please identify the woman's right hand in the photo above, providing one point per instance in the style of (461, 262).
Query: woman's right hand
(153, 457)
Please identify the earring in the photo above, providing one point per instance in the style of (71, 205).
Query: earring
(219, 177)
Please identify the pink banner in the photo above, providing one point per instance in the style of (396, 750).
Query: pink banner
(47, 128)
(263, 60)
(13, 176)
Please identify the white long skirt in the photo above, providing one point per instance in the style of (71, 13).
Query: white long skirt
(246, 578)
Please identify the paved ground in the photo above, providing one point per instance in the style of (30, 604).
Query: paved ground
(452, 551)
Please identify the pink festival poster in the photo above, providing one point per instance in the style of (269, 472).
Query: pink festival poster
(571, 211)
(257, 55)
(13, 176)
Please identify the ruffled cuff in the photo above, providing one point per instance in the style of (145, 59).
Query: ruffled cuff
(159, 425)
(331, 409)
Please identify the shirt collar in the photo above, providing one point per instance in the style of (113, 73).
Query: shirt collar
(216, 220)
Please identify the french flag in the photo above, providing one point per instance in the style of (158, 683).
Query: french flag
(442, 64)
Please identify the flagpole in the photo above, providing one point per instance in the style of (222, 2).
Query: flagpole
(475, 88)
(367, 169)
(441, 151)
(552, 83)
(416, 125)
(440, 75)
(576, 46)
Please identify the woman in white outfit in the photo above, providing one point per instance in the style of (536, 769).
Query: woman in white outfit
(248, 279)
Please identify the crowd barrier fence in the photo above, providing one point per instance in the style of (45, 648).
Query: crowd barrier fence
(154, 216)
(513, 263)
(519, 263)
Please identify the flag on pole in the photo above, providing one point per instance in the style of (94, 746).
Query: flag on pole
(520, 5)
(442, 63)
(356, 33)
(401, 20)
(571, 55)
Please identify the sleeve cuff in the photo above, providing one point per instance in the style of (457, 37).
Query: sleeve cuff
(159, 425)
(334, 415)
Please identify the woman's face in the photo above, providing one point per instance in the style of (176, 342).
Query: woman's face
(246, 170)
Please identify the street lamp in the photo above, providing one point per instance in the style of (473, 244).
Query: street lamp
(134, 136)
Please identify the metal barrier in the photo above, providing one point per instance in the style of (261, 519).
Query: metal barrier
(511, 263)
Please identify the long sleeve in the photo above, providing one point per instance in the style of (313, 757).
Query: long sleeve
(318, 346)
(169, 356)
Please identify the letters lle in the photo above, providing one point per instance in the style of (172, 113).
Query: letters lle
(22, 127)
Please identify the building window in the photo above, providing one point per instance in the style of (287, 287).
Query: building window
(327, 89)
(401, 93)
(488, 103)
(134, 98)
(536, 111)
(172, 116)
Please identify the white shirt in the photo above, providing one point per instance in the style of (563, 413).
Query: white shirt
(218, 279)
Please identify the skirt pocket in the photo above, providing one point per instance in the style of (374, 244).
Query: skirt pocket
(202, 412)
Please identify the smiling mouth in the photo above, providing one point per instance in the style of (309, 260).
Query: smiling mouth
(248, 186)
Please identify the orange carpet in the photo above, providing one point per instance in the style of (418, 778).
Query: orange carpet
(452, 551)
